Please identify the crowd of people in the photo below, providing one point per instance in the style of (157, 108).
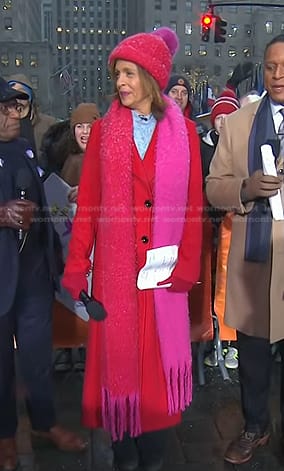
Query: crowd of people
(141, 176)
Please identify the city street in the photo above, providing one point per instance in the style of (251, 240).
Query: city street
(198, 444)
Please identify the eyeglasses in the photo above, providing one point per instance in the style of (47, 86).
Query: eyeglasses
(7, 108)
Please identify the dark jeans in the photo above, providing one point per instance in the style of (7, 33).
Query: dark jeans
(255, 365)
(30, 321)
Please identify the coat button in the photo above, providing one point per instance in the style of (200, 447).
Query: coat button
(145, 239)
(148, 203)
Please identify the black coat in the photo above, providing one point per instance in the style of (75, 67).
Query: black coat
(9, 247)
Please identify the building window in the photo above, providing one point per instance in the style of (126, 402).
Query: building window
(173, 26)
(188, 5)
(173, 5)
(247, 52)
(158, 4)
(248, 30)
(203, 6)
(33, 59)
(34, 80)
(8, 24)
(233, 9)
(4, 59)
(233, 31)
(19, 59)
(282, 27)
(188, 50)
(232, 52)
(217, 70)
(269, 27)
(248, 9)
(202, 51)
(187, 28)
(218, 51)
(157, 25)
(7, 4)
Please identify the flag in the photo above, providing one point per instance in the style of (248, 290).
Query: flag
(65, 79)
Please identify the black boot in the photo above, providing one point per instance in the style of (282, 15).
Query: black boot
(152, 446)
(125, 454)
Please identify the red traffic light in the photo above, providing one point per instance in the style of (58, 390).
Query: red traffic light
(207, 20)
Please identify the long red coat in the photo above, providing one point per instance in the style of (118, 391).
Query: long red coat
(153, 395)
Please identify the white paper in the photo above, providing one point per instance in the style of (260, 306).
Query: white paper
(159, 265)
(269, 168)
(62, 213)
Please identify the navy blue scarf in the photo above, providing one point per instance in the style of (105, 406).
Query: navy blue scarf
(259, 220)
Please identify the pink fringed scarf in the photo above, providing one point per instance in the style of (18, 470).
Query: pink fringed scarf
(120, 382)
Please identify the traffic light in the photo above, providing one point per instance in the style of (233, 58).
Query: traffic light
(206, 23)
(220, 30)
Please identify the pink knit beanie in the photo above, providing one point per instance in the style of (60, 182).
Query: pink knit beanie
(226, 103)
(151, 51)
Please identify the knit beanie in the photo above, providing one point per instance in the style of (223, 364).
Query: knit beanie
(84, 113)
(178, 80)
(226, 103)
(151, 51)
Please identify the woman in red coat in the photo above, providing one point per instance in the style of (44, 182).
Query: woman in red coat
(140, 195)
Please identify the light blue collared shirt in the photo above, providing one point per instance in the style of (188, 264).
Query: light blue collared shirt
(143, 128)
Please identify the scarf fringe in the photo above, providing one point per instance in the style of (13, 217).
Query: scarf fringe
(121, 415)
(179, 387)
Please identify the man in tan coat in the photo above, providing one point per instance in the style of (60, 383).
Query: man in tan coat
(255, 279)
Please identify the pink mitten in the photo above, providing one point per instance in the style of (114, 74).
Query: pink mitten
(178, 285)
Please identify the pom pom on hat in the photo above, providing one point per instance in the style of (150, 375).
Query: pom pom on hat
(170, 38)
(226, 103)
(84, 113)
(151, 51)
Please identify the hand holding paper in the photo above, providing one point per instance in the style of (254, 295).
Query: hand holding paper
(259, 185)
(159, 265)
(177, 284)
(269, 168)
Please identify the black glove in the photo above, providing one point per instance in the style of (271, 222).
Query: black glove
(241, 72)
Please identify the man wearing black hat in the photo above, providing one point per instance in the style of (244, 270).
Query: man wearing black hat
(28, 267)
(179, 90)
